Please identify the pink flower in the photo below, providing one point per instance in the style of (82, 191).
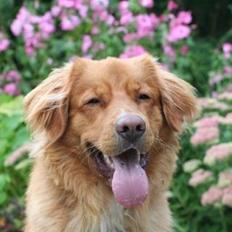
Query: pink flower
(146, 3)
(23, 14)
(169, 51)
(47, 28)
(66, 3)
(178, 32)
(184, 17)
(227, 196)
(34, 19)
(123, 7)
(21, 18)
(46, 25)
(191, 165)
(4, 44)
(212, 196)
(225, 178)
(16, 27)
(110, 20)
(200, 176)
(28, 30)
(11, 89)
(68, 23)
(146, 24)
(209, 121)
(83, 10)
(172, 5)
(133, 50)
(87, 43)
(205, 135)
(55, 11)
(13, 75)
(103, 16)
(99, 5)
(218, 152)
(227, 49)
(126, 18)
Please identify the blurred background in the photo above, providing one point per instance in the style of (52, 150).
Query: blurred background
(190, 38)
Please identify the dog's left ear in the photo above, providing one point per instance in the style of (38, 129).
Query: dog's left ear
(178, 100)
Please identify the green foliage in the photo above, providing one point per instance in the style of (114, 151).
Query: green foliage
(13, 179)
(191, 214)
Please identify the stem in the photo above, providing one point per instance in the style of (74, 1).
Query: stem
(221, 211)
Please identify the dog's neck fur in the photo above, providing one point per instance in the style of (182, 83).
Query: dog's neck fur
(99, 210)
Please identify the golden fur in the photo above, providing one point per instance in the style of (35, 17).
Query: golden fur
(66, 192)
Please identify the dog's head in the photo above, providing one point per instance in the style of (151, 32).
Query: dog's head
(114, 111)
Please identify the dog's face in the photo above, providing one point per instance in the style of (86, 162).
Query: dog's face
(113, 111)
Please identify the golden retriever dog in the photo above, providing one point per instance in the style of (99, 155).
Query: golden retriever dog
(106, 138)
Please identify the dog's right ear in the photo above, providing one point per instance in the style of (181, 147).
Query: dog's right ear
(46, 106)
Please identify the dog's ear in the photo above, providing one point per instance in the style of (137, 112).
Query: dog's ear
(46, 106)
(178, 100)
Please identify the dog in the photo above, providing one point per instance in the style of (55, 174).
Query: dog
(106, 138)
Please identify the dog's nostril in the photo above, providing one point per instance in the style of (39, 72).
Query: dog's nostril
(125, 129)
(140, 128)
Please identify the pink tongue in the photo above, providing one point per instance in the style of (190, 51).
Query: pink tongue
(129, 184)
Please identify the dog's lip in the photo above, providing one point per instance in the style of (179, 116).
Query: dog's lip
(105, 162)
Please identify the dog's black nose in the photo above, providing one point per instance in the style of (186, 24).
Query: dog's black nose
(130, 127)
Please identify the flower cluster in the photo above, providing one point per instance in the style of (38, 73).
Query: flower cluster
(216, 195)
(132, 26)
(213, 132)
(222, 75)
(33, 28)
(218, 152)
(200, 176)
(207, 130)
(93, 29)
(179, 28)
(9, 82)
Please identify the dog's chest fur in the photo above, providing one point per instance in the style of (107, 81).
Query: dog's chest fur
(113, 220)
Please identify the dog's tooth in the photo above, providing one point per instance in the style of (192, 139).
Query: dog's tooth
(108, 161)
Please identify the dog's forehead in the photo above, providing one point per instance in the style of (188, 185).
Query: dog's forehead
(113, 70)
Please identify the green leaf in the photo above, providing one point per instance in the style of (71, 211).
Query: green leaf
(12, 107)
(3, 198)
(4, 180)
(23, 164)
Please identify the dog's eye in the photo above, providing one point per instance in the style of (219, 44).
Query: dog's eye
(144, 96)
(93, 101)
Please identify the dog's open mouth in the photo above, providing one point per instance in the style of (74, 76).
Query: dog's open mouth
(126, 171)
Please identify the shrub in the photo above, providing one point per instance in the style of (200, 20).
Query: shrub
(205, 205)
